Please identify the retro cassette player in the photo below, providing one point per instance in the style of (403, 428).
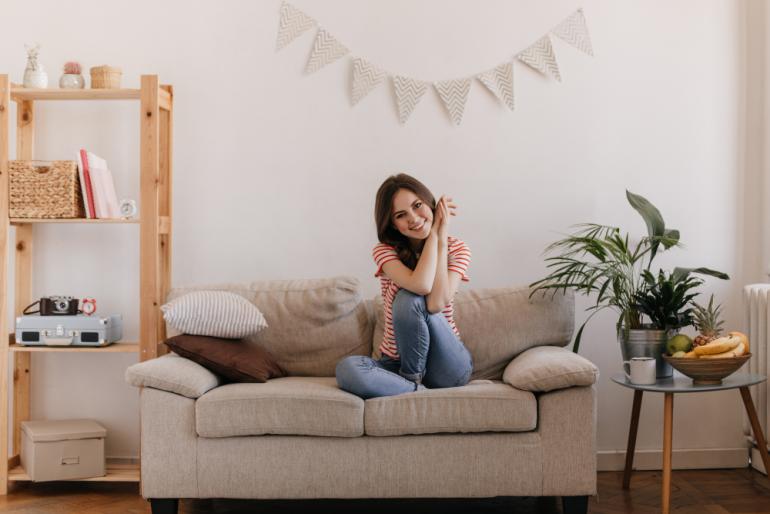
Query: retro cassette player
(77, 330)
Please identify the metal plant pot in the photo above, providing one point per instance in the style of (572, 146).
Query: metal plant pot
(647, 342)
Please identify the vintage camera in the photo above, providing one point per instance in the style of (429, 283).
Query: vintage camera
(58, 306)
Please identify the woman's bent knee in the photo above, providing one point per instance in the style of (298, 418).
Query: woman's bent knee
(406, 301)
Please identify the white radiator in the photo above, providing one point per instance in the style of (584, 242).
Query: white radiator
(756, 308)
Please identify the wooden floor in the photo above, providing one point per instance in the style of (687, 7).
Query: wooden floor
(740, 491)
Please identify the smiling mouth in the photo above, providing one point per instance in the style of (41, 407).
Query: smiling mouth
(418, 228)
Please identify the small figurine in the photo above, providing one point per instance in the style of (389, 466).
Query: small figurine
(34, 74)
(72, 79)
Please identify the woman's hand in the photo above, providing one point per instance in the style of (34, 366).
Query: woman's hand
(444, 209)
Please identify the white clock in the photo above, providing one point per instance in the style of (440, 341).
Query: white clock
(128, 208)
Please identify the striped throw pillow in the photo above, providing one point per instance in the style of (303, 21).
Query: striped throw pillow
(214, 314)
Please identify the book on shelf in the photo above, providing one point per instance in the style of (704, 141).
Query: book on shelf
(85, 183)
(99, 186)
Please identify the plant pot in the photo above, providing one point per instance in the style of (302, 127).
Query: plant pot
(647, 342)
(72, 81)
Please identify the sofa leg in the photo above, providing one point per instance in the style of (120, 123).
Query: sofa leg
(164, 505)
(570, 504)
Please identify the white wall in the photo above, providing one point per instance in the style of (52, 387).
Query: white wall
(275, 173)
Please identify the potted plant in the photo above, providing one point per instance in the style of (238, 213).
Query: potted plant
(598, 259)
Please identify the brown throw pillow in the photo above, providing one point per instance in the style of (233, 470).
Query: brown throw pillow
(233, 359)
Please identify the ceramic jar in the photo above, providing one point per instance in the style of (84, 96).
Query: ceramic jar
(72, 81)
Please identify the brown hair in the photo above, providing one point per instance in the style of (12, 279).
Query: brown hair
(383, 209)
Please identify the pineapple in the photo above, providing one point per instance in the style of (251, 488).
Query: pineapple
(706, 321)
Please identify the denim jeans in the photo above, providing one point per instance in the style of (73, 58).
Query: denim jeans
(430, 353)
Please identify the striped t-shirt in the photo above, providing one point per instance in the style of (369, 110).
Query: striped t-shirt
(458, 259)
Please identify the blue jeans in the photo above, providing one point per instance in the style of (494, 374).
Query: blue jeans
(430, 354)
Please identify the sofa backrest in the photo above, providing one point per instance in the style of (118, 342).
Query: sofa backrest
(498, 324)
(312, 324)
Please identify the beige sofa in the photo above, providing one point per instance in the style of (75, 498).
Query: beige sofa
(301, 437)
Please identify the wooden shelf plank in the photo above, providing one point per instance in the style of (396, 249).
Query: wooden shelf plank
(21, 93)
(113, 348)
(22, 221)
(115, 473)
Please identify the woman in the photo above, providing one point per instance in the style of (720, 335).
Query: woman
(420, 268)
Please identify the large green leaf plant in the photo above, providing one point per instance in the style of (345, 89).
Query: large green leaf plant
(598, 259)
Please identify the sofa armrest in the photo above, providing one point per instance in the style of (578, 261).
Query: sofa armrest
(566, 422)
(174, 374)
(169, 445)
(547, 368)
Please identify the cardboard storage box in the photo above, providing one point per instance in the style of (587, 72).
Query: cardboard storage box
(62, 450)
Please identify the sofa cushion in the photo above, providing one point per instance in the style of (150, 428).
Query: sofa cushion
(313, 323)
(215, 314)
(498, 324)
(312, 406)
(233, 359)
(479, 406)
(548, 368)
(174, 374)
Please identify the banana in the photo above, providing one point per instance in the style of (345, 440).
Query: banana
(744, 339)
(717, 346)
(690, 355)
(736, 352)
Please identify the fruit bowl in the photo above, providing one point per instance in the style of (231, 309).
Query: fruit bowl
(707, 371)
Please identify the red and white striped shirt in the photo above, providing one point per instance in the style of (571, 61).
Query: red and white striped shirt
(458, 259)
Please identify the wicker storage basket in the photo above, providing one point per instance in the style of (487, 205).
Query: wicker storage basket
(105, 77)
(44, 189)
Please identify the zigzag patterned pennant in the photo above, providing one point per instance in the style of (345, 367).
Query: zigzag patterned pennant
(408, 94)
(454, 94)
(540, 56)
(574, 31)
(293, 23)
(326, 49)
(366, 76)
(500, 82)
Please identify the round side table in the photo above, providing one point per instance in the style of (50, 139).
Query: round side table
(681, 384)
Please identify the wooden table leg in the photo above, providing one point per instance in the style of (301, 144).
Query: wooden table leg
(668, 425)
(632, 429)
(756, 427)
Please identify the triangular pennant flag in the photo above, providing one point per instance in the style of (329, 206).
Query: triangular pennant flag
(574, 31)
(293, 23)
(326, 49)
(366, 76)
(454, 94)
(500, 82)
(408, 94)
(540, 56)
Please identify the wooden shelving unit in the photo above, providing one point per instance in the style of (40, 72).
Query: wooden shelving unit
(156, 122)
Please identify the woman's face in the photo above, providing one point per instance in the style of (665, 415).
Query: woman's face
(411, 216)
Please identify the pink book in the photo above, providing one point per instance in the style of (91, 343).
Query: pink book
(85, 181)
(105, 198)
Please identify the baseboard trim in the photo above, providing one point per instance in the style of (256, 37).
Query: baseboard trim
(711, 458)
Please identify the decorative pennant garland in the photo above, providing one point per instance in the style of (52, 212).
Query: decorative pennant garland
(500, 82)
(293, 23)
(326, 49)
(408, 94)
(454, 94)
(539, 56)
(366, 76)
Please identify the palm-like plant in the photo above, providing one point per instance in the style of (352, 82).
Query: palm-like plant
(667, 299)
(599, 259)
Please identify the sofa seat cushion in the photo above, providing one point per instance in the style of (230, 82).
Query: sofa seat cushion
(312, 406)
(479, 406)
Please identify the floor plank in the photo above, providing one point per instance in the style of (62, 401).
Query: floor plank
(738, 491)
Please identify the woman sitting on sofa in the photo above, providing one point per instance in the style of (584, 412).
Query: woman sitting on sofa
(420, 268)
